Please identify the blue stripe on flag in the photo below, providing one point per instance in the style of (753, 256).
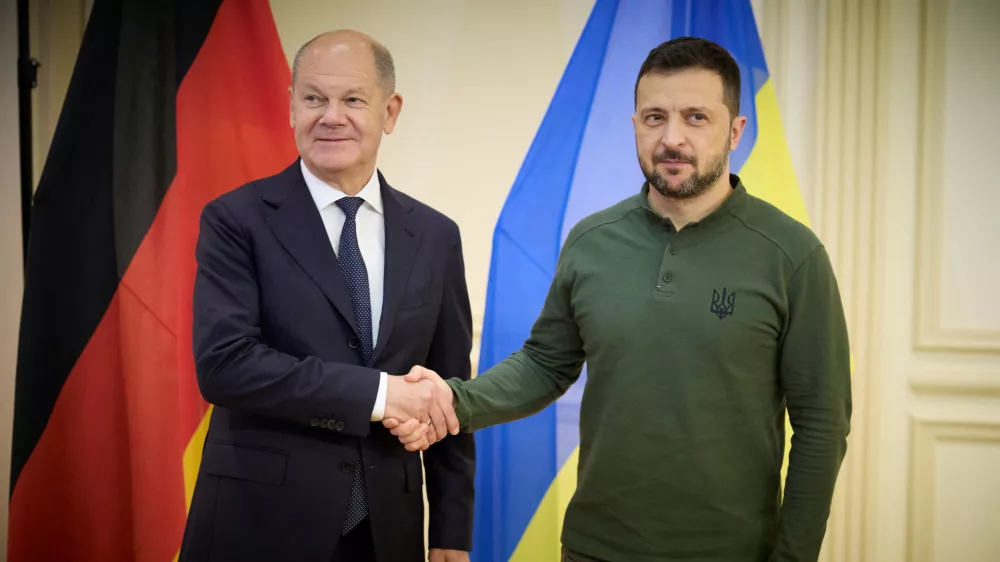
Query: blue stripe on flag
(519, 458)
(606, 171)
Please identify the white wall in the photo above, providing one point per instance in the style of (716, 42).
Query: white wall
(10, 246)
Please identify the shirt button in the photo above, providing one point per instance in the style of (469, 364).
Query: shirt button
(347, 467)
(353, 343)
(668, 277)
(673, 251)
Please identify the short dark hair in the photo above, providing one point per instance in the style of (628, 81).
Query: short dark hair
(385, 70)
(685, 53)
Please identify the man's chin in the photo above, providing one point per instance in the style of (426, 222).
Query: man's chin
(676, 190)
(672, 185)
(333, 162)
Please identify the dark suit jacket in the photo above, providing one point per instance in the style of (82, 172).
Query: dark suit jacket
(276, 350)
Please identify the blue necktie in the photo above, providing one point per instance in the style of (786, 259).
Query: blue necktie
(356, 275)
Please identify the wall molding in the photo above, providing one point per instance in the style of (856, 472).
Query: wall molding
(930, 333)
(953, 382)
(927, 435)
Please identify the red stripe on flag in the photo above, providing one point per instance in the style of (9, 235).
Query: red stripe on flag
(105, 481)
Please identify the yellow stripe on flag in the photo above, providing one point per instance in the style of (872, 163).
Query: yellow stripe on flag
(768, 172)
(191, 462)
(192, 457)
(541, 540)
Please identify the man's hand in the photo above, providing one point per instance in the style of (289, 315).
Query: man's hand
(445, 555)
(424, 401)
(413, 432)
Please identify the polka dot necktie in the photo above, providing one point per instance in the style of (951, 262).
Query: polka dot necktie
(356, 275)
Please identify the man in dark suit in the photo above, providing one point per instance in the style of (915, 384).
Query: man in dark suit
(313, 285)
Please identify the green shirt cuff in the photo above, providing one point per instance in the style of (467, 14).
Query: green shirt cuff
(461, 406)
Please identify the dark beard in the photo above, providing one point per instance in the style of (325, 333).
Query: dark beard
(695, 185)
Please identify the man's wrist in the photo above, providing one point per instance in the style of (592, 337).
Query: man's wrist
(461, 411)
(378, 410)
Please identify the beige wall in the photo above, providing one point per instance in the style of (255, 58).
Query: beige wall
(10, 246)
(938, 324)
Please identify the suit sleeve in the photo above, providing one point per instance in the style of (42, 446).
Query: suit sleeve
(451, 464)
(235, 366)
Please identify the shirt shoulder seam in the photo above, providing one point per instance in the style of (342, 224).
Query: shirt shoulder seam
(605, 222)
(771, 239)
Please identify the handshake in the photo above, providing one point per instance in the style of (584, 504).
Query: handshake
(418, 409)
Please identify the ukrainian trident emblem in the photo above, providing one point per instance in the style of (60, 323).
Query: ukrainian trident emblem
(722, 303)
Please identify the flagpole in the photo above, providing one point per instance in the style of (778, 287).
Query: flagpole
(27, 75)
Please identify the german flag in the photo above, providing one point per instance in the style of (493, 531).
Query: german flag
(171, 103)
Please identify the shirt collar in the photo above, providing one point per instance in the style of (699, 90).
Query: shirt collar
(324, 194)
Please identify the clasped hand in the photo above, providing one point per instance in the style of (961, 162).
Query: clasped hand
(418, 409)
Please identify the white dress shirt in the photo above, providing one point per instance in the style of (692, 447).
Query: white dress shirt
(370, 222)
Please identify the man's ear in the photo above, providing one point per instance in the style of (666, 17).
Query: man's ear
(393, 106)
(736, 132)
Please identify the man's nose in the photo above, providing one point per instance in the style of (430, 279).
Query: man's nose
(334, 115)
(673, 134)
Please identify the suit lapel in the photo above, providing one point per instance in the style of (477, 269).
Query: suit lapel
(293, 217)
(402, 239)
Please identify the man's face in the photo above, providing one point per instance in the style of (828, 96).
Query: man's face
(338, 110)
(683, 132)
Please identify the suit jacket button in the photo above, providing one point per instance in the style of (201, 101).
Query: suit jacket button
(323, 423)
(339, 426)
(353, 343)
(314, 422)
(347, 467)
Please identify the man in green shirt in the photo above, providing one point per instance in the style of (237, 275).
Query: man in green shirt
(702, 313)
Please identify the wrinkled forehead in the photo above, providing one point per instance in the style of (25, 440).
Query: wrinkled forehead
(340, 59)
(680, 89)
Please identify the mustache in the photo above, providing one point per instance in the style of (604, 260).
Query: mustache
(672, 154)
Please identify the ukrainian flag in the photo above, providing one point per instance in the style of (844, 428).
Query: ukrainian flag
(582, 160)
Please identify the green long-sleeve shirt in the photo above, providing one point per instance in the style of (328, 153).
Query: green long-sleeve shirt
(695, 342)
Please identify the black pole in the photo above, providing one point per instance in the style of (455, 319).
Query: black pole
(27, 76)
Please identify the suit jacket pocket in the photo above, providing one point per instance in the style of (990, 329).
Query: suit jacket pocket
(245, 462)
(414, 307)
(418, 292)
